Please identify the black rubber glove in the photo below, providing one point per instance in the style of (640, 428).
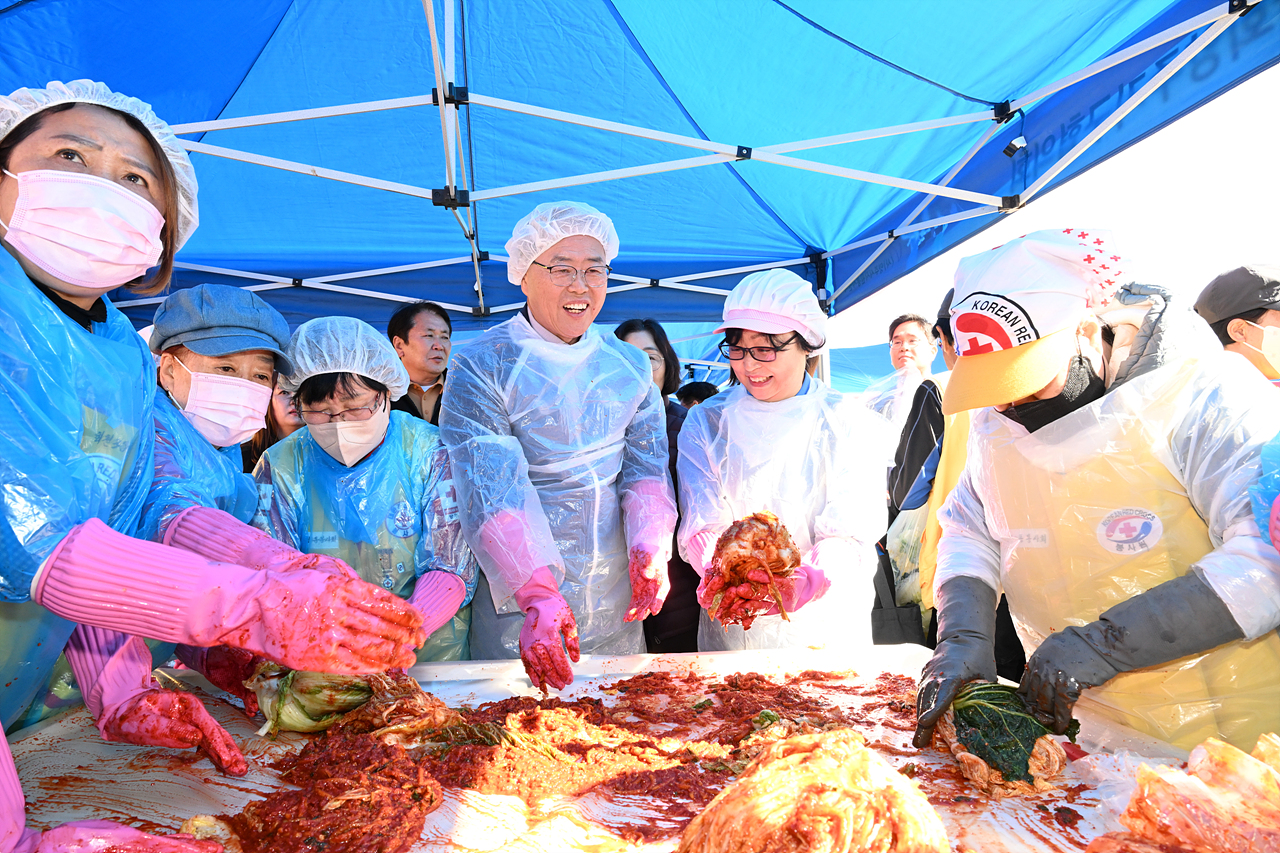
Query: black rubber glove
(966, 650)
(1177, 618)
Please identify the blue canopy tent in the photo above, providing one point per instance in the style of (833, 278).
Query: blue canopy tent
(850, 142)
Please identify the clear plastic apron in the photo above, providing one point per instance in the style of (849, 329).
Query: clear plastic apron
(1083, 530)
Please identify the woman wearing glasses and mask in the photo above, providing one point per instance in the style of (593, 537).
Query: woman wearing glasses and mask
(784, 442)
(367, 485)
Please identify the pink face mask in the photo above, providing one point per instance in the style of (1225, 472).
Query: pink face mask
(83, 229)
(226, 410)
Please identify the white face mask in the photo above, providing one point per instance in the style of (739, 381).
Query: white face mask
(1270, 348)
(83, 229)
(226, 410)
(351, 441)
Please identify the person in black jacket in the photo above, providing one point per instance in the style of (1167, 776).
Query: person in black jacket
(675, 628)
(420, 332)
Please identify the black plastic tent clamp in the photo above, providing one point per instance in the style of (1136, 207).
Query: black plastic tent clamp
(744, 153)
(453, 95)
(1002, 112)
(653, 282)
(297, 282)
(477, 311)
(441, 198)
(1240, 7)
(1010, 203)
(482, 255)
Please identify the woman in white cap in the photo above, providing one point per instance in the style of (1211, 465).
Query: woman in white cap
(367, 485)
(784, 442)
(95, 193)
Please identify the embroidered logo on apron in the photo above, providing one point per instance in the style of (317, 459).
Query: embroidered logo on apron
(1129, 531)
(401, 521)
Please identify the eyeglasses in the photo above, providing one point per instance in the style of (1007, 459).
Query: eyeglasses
(359, 413)
(563, 275)
(733, 353)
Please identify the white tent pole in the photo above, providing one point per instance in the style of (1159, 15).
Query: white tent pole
(878, 133)
(373, 294)
(464, 259)
(303, 115)
(601, 124)
(753, 268)
(1128, 106)
(864, 242)
(236, 273)
(437, 66)
(873, 178)
(1174, 32)
(156, 300)
(513, 306)
(304, 169)
(888, 241)
(951, 174)
(598, 177)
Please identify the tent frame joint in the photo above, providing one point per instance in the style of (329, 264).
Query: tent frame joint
(653, 282)
(451, 198)
(297, 282)
(1010, 203)
(456, 95)
(1002, 112)
(744, 153)
(480, 311)
(1241, 7)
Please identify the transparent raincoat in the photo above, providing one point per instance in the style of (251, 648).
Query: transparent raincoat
(806, 460)
(392, 517)
(1142, 486)
(192, 472)
(550, 444)
(78, 438)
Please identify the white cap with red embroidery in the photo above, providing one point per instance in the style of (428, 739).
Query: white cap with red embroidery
(1016, 309)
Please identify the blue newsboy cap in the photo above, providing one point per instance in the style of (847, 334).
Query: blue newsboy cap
(217, 319)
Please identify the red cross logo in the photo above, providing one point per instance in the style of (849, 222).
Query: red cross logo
(1098, 242)
(1115, 257)
(1083, 234)
(1127, 530)
(1066, 230)
(1088, 259)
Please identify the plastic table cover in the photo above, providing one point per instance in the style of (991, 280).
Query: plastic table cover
(69, 773)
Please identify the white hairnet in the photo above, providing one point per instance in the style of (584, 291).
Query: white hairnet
(27, 102)
(550, 223)
(774, 302)
(344, 345)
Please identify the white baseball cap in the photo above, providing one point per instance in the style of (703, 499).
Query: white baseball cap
(1016, 310)
(774, 302)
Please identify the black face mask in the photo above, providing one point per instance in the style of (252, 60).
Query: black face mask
(1083, 386)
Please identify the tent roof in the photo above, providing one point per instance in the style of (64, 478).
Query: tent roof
(687, 80)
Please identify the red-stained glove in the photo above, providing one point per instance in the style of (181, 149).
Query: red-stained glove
(226, 668)
(547, 619)
(647, 566)
(176, 720)
(114, 672)
(90, 836)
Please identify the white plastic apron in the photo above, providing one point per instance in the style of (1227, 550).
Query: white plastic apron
(1083, 530)
(772, 450)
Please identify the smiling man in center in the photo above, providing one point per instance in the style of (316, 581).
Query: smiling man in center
(558, 438)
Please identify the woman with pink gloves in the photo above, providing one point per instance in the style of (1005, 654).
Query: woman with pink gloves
(96, 192)
(784, 442)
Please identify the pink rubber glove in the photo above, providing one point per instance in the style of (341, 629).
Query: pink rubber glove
(302, 619)
(700, 548)
(81, 836)
(226, 668)
(114, 673)
(215, 535)
(1274, 526)
(547, 618)
(647, 565)
(437, 596)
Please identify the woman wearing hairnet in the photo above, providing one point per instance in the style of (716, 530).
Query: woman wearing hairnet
(783, 441)
(368, 485)
(558, 438)
(95, 191)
